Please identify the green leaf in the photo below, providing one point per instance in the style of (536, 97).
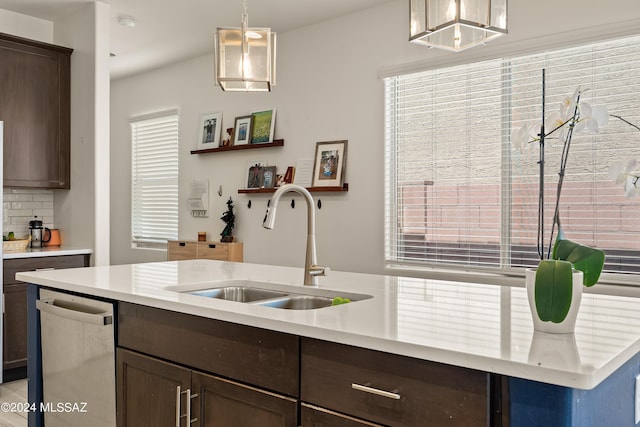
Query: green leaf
(553, 290)
(584, 258)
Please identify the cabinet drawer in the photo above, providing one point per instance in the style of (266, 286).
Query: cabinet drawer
(216, 251)
(313, 416)
(179, 250)
(413, 392)
(251, 355)
(13, 266)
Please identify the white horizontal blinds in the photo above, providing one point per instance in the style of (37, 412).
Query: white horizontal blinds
(460, 194)
(154, 177)
(447, 155)
(594, 210)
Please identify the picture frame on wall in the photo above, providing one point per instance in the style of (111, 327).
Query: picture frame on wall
(264, 125)
(242, 130)
(255, 177)
(269, 177)
(210, 130)
(330, 163)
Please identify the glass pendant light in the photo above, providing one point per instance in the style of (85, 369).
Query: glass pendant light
(245, 57)
(456, 25)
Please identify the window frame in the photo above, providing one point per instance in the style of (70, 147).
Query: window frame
(171, 118)
(502, 275)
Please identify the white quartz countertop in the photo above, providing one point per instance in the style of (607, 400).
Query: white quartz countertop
(47, 251)
(483, 327)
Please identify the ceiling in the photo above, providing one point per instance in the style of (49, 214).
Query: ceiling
(168, 31)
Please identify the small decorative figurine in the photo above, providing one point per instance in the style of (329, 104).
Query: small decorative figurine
(229, 218)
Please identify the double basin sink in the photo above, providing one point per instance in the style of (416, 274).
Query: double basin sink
(271, 295)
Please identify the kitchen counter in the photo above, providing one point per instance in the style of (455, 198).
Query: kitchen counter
(47, 251)
(483, 327)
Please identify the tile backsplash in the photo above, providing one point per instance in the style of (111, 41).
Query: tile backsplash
(19, 206)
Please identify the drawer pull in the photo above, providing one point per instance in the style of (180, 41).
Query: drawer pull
(375, 391)
(44, 269)
(182, 244)
(212, 246)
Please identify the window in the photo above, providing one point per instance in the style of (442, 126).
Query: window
(458, 194)
(154, 179)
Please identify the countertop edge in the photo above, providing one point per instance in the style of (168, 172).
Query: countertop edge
(47, 252)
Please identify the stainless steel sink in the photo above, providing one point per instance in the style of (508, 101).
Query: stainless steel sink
(267, 294)
(298, 302)
(239, 293)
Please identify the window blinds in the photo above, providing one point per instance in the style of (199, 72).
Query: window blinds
(154, 179)
(458, 193)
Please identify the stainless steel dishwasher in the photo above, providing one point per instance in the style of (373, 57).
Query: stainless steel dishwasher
(78, 365)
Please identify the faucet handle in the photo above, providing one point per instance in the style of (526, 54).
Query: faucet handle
(318, 270)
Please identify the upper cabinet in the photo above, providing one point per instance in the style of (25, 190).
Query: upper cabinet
(35, 109)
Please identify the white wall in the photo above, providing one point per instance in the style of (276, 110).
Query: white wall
(26, 26)
(80, 211)
(328, 89)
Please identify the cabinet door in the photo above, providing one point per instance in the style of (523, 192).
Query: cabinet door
(35, 108)
(15, 326)
(148, 391)
(312, 416)
(225, 403)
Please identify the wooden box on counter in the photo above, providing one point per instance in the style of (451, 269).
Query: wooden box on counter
(188, 249)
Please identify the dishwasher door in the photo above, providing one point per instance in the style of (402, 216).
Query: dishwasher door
(78, 361)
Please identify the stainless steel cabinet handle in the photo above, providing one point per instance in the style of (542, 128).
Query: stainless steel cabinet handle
(178, 395)
(376, 391)
(75, 311)
(187, 415)
(44, 269)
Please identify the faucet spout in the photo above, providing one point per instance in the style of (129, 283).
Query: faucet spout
(311, 268)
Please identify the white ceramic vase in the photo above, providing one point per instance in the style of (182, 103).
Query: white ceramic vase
(568, 325)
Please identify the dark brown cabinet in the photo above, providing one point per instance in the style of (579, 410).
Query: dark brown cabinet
(35, 108)
(14, 338)
(238, 375)
(392, 390)
(312, 416)
(213, 373)
(14, 320)
(155, 393)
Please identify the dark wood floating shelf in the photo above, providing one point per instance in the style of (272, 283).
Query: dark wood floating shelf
(276, 143)
(345, 187)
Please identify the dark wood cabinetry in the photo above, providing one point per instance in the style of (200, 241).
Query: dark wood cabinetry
(14, 319)
(237, 375)
(390, 389)
(313, 416)
(214, 373)
(35, 109)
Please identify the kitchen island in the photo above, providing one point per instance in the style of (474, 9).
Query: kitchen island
(585, 379)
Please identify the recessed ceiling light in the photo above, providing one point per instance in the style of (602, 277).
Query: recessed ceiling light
(127, 21)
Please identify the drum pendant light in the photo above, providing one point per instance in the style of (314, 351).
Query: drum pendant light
(245, 57)
(456, 25)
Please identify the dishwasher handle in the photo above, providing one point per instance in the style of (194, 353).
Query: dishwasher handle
(75, 311)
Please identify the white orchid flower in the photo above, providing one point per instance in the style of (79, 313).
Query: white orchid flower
(522, 135)
(621, 173)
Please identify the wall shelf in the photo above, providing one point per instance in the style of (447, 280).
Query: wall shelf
(345, 187)
(275, 143)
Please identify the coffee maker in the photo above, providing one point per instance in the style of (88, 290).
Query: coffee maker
(37, 233)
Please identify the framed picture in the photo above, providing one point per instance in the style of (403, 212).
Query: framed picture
(255, 178)
(264, 125)
(269, 176)
(210, 128)
(242, 130)
(330, 164)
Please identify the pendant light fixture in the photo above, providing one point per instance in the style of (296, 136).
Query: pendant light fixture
(245, 57)
(456, 25)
